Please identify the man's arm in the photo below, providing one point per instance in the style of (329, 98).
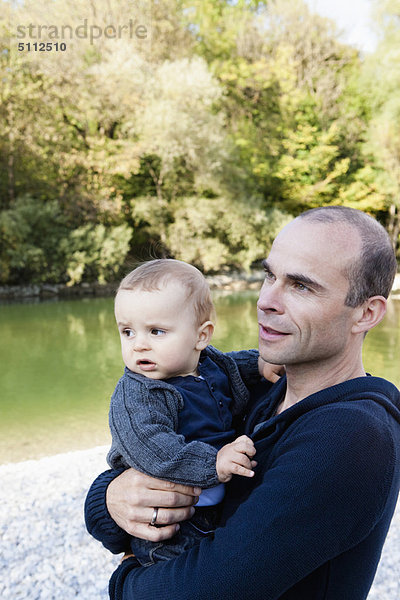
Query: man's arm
(97, 518)
(319, 494)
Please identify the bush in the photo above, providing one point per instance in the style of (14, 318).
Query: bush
(96, 253)
(37, 246)
(30, 233)
(214, 233)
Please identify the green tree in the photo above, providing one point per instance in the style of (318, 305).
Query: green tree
(229, 118)
(384, 130)
(37, 246)
(177, 121)
(30, 235)
(212, 232)
(96, 253)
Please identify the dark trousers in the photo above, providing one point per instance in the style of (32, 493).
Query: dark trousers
(201, 525)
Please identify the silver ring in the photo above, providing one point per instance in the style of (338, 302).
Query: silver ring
(154, 517)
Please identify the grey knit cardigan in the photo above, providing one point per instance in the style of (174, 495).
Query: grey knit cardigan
(144, 420)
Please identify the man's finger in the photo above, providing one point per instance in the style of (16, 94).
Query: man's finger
(167, 499)
(169, 516)
(161, 484)
(153, 534)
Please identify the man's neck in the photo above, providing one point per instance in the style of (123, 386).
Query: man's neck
(304, 380)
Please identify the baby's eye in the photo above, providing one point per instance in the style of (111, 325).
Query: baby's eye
(156, 331)
(128, 333)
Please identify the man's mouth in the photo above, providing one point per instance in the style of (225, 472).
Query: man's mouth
(269, 334)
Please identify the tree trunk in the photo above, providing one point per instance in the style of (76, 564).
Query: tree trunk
(157, 182)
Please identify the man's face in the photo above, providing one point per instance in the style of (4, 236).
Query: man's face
(301, 309)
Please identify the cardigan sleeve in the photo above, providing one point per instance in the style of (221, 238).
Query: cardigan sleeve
(143, 424)
(319, 492)
(258, 387)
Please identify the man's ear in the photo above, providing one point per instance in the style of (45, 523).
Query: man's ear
(205, 332)
(372, 312)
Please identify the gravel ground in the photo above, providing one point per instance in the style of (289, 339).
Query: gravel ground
(46, 553)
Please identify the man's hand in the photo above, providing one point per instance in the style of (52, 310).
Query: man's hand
(235, 459)
(269, 371)
(132, 496)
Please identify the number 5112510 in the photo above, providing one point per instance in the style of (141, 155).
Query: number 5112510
(42, 46)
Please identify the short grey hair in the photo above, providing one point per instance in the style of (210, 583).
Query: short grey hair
(372, 272)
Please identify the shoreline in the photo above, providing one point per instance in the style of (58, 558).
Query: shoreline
(231, 281)
(50, 458)
(46, 552)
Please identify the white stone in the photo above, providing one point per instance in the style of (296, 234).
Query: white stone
(46, 553)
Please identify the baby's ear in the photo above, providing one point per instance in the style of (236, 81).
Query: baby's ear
(205, 332)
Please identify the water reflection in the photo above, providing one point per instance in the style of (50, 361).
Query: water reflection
(61, 360)
(60, 364)
(236, 326)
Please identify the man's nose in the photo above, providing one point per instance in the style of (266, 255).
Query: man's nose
(271, 298)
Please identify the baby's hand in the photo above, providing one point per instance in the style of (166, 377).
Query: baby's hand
(270, 371)
(235, 459)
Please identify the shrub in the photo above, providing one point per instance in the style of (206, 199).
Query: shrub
(36, 246)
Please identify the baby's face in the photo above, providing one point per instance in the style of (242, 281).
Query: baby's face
(159, 335)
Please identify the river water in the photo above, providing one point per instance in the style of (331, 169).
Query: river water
(60, 361)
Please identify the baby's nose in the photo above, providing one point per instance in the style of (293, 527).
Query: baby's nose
(141, 342)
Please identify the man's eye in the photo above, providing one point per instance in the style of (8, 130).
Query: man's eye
(156, 331)
(301, 287)
(268, 275)
(128, 333)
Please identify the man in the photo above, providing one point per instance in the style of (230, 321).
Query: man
(312, 522)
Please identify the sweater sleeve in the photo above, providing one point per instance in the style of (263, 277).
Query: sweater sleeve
(319, 491)
(97, 518)
(143, 424)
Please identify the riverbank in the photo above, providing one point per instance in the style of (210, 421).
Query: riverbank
(46, 553)
(234, 282)
(46, 291)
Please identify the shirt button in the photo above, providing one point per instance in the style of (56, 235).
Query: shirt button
(220, 403)
(212, 387)
(197, 379)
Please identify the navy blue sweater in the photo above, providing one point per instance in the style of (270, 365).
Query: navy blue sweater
(312, 522)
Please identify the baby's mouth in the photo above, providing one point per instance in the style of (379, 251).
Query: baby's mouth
(145, 364)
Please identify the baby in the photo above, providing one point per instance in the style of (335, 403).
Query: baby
(171, 414)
